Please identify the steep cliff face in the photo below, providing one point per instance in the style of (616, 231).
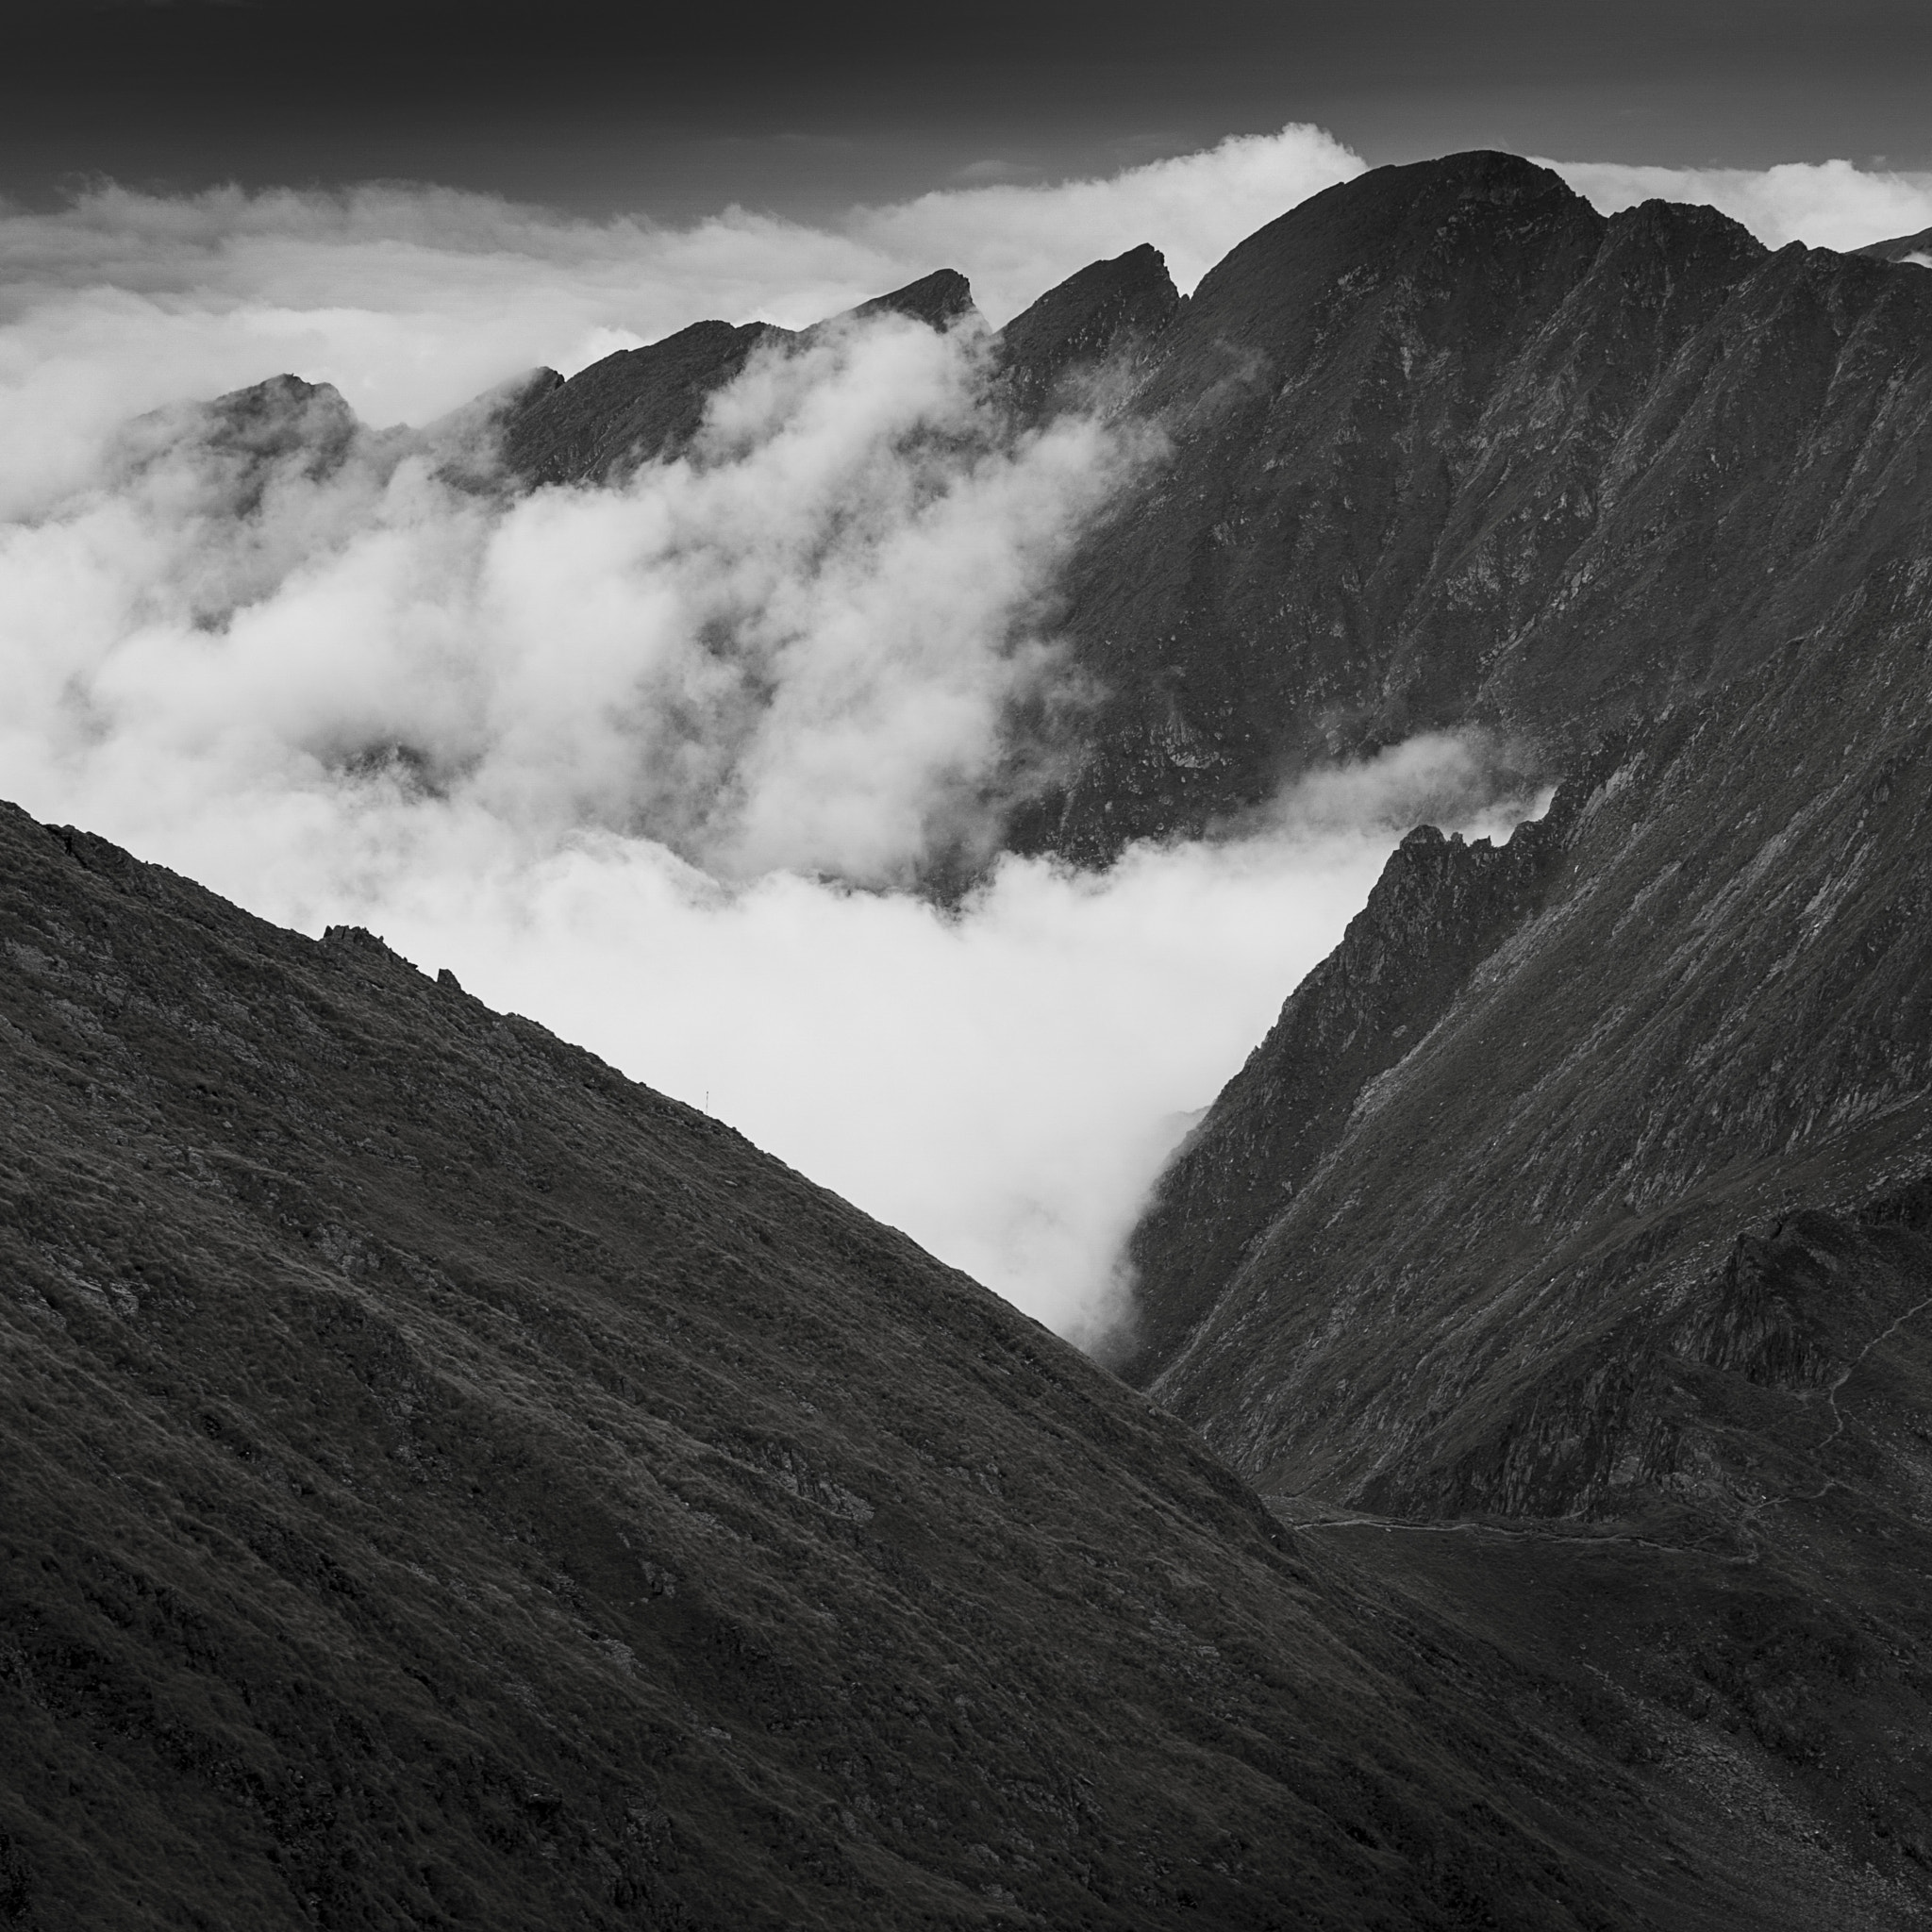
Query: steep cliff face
(1438, 911)
(445, 1483)
(1448, 446)
(1711, 1009)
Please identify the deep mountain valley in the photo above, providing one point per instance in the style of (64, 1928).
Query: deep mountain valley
(447, 1483)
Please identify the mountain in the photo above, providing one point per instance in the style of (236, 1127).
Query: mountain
(1111, 314)
(1578, 1209)
(1899, 247)
(940, 300)
(445, 1480)
(1450, 449)
(448, 1483)
(641, 404)
(1580, 1203)
(631, 407)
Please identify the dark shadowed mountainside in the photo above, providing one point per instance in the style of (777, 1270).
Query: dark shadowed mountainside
(1564, 1254)
(630, 408)
(1449, 447)
(940, 300)
(447, 1484)
(446, 1481)
(1584, 1196)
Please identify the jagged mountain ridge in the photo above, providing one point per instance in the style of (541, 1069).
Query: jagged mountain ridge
(446, 1483)
(645, 405)
(1446, 448)
(1585, 1189)
(638, 406)
(1557, 1261)
(1450, 448)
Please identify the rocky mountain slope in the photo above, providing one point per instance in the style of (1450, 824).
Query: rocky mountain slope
(1900, 247)
(1446, 448)
(1585, 1194)
(1565, 1249)
(447, 1484)
(442, 1472)
(641, 404)
(645, 405)
(1449, 447)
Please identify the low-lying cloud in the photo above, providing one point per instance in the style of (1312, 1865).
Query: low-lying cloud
(655, 764)
(660, 765)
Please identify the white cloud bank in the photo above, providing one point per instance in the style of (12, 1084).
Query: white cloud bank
(652, 765)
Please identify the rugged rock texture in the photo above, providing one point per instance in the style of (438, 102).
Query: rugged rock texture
(1109, 315)
(1586, 1194)
(442, 1473)
(633, 405)
(940, 300)
(1695, 1003)
(641, 404)
(1562, 1259)
(446, 1484)
(1450, 446)
(1436, 914)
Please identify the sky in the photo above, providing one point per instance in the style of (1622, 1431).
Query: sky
(659, 766)
(595, 106)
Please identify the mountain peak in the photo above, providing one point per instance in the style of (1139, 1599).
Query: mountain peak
(1104, 308)
(1900, 248)
(938, 300)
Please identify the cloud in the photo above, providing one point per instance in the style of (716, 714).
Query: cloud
(1002, 1082)
(1015, 241)
(1822, 204)
(792, 647)
(410, 299)
(649, 764)
(655, 764)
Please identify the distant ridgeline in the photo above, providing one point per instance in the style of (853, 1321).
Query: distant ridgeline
(446, 1482)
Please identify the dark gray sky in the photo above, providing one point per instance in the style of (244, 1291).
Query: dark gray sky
(809, 105)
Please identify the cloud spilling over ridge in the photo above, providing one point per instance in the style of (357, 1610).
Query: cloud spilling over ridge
(791, 648)
(655, 764)
(1822, 204)
(1004, 1082)
(410, 299)
(647, 764)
